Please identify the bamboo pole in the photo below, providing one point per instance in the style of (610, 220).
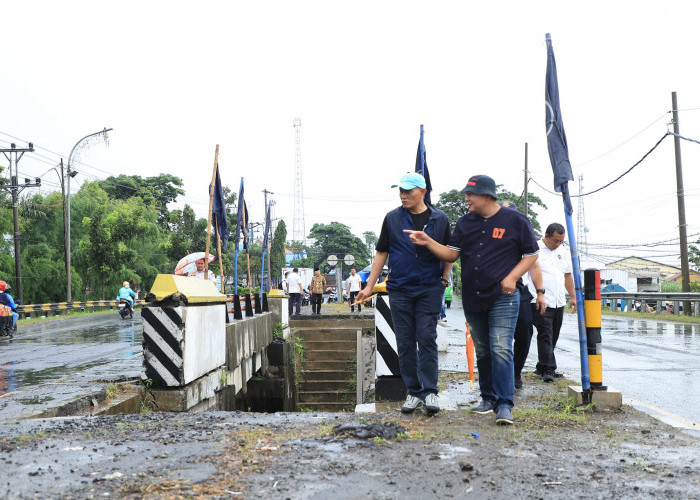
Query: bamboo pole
(221, 264)
(211, 202)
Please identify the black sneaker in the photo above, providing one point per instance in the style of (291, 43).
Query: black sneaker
(484, 407)
(538, 372)
(558, 375)
(518, 382)
(548, 377)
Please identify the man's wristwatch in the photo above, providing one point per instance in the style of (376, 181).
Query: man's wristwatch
(540, 290)
(444, 281)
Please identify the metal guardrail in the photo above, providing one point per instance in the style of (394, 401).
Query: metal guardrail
(655, 301)
(29, 309)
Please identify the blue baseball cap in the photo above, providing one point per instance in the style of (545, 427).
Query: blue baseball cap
(410, 181)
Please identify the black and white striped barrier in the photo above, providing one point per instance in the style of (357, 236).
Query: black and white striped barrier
(388, 384)
(180, 344)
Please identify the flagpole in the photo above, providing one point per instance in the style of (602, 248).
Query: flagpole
(211, 203)
(576, 271)
(561, 167)
(247, 254)
(221, 264)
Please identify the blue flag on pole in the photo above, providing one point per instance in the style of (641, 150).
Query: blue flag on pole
(219, 211)
(556, 138)
(242, 220)
(422, 165)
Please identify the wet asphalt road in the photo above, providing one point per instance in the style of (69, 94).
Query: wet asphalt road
(52, 362)
(656, 363)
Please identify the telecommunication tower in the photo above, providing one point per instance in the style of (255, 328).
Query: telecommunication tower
(582, 229)
(298, 229)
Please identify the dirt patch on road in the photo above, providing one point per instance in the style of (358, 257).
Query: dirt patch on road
(553, 451)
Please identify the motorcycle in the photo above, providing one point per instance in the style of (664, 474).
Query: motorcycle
(6, 317)
(125, 309)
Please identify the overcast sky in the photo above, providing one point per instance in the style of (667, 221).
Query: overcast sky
(176, 78)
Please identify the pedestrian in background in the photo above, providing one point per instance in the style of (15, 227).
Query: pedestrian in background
(416, 286)
(316, 289)
(294, 291)
(496, 247)
(555, 262)
(354, 284)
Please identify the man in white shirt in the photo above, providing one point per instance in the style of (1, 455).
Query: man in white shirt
(557, 278)
(199, 273)
(295, 291)
(354, 283)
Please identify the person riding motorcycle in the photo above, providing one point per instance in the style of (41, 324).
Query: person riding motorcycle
(7, 300)
(125, 292)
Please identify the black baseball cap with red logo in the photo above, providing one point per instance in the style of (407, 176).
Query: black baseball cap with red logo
(480, 184)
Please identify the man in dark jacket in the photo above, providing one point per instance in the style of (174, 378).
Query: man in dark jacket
(416, 285)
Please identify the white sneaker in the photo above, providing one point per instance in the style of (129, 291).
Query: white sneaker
(432, 403)
(411, 404)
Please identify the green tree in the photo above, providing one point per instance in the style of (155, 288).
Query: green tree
(694, 255)
(155, 191)
(108, 245)
(277, 258)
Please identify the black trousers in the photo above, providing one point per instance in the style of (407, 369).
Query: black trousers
(316, 301)
(352, 301)
(548, 327)
(522, 336)
(294, 299)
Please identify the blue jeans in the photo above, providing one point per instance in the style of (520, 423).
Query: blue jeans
(414, 315)
(492, 332)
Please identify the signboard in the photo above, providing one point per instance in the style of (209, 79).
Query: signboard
(332, 260)
(349, 260)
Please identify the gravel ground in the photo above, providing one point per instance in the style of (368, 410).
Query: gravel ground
(553, 451)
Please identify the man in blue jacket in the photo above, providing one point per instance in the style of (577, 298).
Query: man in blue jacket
(416, 285)
(125, 292)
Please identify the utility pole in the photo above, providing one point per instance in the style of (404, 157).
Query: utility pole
(269, 240)
(685, 268)
(525, 189)
(12, 155)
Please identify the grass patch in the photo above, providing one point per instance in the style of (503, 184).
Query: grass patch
(555, 409)
(653, 316)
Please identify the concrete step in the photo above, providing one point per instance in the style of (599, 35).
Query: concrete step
(326, 334)
(335, 365)
(344, 374)
(334, 407)
(326, 397)
(330, 345)
(325, 385)
(328, 355)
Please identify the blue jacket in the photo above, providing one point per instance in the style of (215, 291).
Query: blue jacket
(413, 267)
(6, 299)
(126, 292)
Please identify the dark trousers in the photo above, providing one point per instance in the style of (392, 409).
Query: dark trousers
(548, 327)
(316, 301)
(352, 301)
(522, 336)
(294, 298)
(414, 315)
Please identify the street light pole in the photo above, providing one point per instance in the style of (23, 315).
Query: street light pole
(69, 175)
